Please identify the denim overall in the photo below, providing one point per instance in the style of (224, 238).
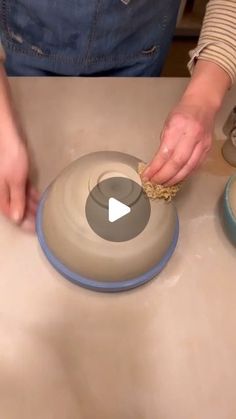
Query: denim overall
(86, 37)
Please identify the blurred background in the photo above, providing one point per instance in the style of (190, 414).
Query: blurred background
(188, 28)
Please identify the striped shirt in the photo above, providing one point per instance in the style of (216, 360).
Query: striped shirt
(217, 41)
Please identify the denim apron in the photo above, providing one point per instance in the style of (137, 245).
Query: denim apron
(86, 37)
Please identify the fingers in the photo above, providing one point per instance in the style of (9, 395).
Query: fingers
(32, 199)
(188, 168)
(4, 199)
(17, 201)
(158, 162)
(185, 140)
(178, 159)
(167, 147)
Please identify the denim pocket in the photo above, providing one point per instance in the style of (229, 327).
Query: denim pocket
(120, 32)
(131, 29)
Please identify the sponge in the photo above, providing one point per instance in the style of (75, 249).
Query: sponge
(154, 191)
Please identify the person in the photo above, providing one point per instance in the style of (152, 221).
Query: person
(113, 38)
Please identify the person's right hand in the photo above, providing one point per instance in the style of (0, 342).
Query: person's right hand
(18, 199)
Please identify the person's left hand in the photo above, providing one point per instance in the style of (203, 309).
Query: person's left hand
(185, 140)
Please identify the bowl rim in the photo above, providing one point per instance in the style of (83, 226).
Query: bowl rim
(227, 190)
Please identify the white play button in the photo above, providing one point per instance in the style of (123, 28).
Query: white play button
(117, 210)
(110, 212)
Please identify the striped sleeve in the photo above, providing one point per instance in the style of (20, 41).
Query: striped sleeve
(217, 41)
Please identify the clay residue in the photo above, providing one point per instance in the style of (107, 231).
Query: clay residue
(155, 191)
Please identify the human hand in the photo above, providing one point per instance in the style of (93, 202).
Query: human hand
(187, 134)
(185, 140)
(18, 199)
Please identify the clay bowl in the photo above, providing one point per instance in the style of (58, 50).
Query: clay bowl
(229, 209)
(81, 255)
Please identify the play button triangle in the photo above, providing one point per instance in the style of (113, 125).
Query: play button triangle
(117, 210)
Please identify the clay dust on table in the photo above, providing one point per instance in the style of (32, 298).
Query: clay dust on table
(154, 191)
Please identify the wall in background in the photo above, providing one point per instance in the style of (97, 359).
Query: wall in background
(188, 28)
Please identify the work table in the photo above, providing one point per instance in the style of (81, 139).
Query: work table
(165, 350)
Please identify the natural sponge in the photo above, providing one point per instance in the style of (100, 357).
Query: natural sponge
(155, 191)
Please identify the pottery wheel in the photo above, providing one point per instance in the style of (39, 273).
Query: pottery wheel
(97, 227)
